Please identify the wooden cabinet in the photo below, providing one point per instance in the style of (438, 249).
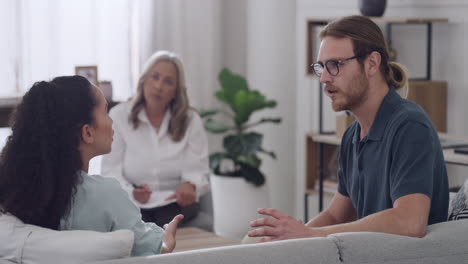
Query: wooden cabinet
(313, 159)
(432, 97)
(7, 106)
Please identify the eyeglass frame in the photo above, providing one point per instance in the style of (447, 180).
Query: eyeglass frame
(325, 65)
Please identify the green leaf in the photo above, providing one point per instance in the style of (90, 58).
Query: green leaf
(235, 92)
(270, 153)
(208, 113)
(247, 102)
(231, 83)
(242, 144)
(263, 120)
(215, 160)
(221, 95)
(215, 127)
(276, 120)
(251, 160)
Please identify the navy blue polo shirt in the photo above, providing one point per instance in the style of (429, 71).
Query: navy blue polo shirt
(400, 155)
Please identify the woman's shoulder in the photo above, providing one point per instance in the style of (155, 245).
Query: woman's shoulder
(99, 184)
(121, 108)
(94, 193)
(120, 113)
(193, 116)
(195, 126)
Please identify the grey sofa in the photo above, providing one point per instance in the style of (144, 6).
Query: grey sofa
(444, 243)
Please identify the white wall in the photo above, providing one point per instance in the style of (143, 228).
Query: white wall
(271, 69)
(449, 63)
(234, 35)
(258, 42)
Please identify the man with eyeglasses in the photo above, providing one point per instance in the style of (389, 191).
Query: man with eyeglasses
(392, 175)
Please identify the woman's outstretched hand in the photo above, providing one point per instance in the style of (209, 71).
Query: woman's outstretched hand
(169, 238)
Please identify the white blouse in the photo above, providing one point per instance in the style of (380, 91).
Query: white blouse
(147, 156)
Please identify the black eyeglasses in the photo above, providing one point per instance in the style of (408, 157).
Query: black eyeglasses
(333, 66)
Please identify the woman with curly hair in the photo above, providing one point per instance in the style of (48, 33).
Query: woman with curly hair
(56, 130)
(160, 149)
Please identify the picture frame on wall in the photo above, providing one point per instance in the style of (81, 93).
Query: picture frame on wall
(89, 72)
(106, 88)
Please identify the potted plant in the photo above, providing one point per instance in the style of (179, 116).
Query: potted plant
(237, 188)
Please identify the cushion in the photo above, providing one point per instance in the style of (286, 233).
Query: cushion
(33, 244)
(459, 206)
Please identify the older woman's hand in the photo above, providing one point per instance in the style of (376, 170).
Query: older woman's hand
(142, 194)
(185, 194)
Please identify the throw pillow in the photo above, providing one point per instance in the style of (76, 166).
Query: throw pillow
(35, 244)
(459, 205)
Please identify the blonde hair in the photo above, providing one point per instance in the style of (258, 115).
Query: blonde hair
(367, 37)
(398, 77)
(178, 107)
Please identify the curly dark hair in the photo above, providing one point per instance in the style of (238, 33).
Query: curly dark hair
(40, 163)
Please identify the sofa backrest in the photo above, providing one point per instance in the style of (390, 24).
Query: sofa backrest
(22, 243)
(445, 242)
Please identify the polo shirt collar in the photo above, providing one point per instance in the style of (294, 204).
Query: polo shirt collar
(389, 104)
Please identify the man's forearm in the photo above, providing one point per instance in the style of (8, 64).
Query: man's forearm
(323, 219)
(388, 221)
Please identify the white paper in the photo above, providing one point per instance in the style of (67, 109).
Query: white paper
(157, 199)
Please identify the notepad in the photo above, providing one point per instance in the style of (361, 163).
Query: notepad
(157, 199)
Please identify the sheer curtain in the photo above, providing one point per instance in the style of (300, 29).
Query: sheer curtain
(42, 39)
(48, 38)
(9, 51)
(192, 29)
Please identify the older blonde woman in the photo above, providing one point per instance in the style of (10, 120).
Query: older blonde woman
(160, 152)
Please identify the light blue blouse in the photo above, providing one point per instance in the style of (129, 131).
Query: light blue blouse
(100, 204)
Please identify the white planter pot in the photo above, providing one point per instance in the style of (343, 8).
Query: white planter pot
(235, 204)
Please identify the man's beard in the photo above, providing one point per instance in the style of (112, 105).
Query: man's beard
(353, 96)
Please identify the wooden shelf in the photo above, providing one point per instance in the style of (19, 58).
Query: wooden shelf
(329, 187)
(331, 139)
(8, 104)
(330, 145)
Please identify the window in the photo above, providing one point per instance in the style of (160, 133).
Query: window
(48, 38)
(8, 48)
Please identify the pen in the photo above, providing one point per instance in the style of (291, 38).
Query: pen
(136, 186)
